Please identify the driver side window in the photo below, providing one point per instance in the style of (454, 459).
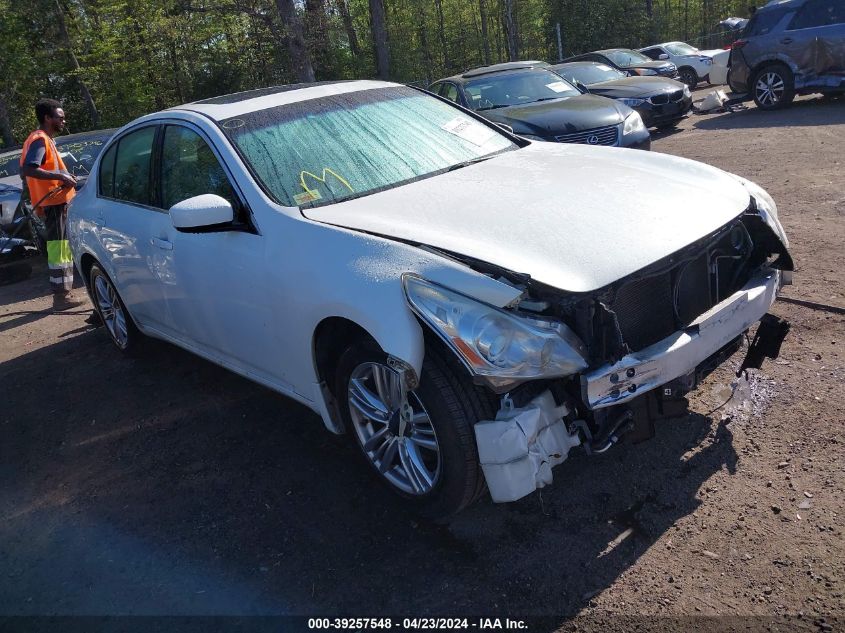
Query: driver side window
(189, 168)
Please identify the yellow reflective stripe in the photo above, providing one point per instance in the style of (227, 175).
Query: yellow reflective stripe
(58, 252)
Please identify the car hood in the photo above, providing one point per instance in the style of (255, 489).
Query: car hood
(573, 217)
(560, 116)
(634, 87)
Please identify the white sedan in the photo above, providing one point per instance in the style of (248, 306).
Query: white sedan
(467, 305)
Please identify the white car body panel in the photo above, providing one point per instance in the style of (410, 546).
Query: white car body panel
(575, 238)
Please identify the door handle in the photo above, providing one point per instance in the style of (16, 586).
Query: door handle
(162, 244)
(786, 40)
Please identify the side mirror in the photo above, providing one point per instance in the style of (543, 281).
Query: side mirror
(663, 56)
(507, 128)
(201, 212)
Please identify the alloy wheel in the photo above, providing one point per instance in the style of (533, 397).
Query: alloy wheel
(769, 88)
(111, 311)
(405, 452)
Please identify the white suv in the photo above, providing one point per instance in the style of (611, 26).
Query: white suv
(693, 65)
(451, 296)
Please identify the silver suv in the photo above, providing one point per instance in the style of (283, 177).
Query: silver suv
(790, 47)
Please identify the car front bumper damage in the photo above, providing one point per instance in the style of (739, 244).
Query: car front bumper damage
(518, 449)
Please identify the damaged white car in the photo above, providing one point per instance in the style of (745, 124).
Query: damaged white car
(467, 305)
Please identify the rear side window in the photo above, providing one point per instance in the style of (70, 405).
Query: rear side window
(132, 167)
(106, 180)
(451, 92)
(819, 13)
(763, 22)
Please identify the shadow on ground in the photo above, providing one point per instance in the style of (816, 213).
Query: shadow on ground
(802, 112)
(167, 485)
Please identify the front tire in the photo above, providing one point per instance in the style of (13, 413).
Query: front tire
(113, 312)
(773, 87)
(431, 462)
(689, 77)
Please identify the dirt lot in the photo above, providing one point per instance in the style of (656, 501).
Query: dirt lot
(166, 485)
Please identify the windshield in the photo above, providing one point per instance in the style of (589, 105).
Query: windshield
(78, 155)
(525, 86)
(679, 48)
(626, 57)
(320, 151)
(590, 73)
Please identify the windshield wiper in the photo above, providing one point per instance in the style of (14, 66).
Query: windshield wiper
(549, 98)
(493, 107)
(465, 163)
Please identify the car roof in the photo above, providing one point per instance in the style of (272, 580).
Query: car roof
(227, 106)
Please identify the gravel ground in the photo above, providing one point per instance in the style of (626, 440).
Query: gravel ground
(165, 485)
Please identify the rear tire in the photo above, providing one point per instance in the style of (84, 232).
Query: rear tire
(115, 317)
(773, 87)
(448, 405)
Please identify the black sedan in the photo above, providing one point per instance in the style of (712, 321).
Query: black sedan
(660, 102)
(629, 61)
(540, 105)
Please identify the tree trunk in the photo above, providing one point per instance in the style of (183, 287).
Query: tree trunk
(423, 35)
(509, 23)
(441, 34)
(484, 40)
(378, 24)
(83, 89)
(343, 8)
(294, 35)
(5, 123)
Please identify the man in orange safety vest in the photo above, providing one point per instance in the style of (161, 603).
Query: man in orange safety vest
(51, 187)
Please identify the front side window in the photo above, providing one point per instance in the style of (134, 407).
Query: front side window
(819, 13)
(626, 58)
(521, 87)
(189, 168)
(320, 151)
(451, 92)
(652, 53)
(132, 167)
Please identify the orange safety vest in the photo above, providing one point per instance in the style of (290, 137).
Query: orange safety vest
(39, 188)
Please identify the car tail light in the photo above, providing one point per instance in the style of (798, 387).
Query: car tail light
(739, 44)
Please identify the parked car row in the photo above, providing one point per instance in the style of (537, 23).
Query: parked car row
(465, 303)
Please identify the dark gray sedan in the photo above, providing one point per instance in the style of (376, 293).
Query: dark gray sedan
(660, 102)
(540, 105)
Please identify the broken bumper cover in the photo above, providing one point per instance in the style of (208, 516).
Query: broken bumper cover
(680, 353)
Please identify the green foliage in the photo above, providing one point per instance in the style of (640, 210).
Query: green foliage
(137, 56)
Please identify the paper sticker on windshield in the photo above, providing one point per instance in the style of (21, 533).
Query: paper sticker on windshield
(468, 130)
(306, 196)
(558, 86)
(603, 67)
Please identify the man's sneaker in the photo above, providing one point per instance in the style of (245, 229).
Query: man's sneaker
(65, 301)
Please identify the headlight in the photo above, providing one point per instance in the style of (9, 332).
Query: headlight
(532, 137)
(686, 90)
(645, 71)
(632, 103)
(499, 346)
(633, 124)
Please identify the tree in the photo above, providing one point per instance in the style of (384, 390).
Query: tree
(300, 58)
(509, 24)
(378, 25)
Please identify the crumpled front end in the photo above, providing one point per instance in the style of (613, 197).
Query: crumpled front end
(648, 339)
